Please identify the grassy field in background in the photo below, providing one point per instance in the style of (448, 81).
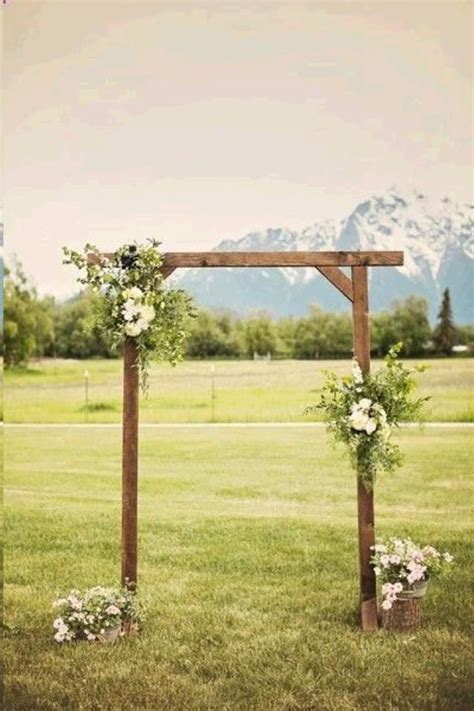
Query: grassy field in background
(248, 560)
(279, 391)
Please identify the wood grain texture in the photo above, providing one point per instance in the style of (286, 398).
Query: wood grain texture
(273, 259)
(365, 498)
(130, 464)
(339, 280)
(166, 271)
(404, 616)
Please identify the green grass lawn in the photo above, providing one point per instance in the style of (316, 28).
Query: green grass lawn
(248, 561)
(53, 391)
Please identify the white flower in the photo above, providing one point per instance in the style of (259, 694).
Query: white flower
(380, 548)
(59, 602)
(75, 603)
(132, 329)
(365, 403)
(113, 610)
(387, 605)
(417, 572)
(59, 637)
(430, 551)
(58, 622)
(358, 421)
(371, 426)
(398, 587)
(147, 313)
(91, 637)
(395, 559)
(142, 324)
(357, 373)
(133, 293)
(448, 557)
(130, 310)
(377, 570)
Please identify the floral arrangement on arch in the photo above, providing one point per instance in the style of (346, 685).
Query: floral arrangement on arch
(362, 410)
(98, 614)
(133, 301)
(402, 565)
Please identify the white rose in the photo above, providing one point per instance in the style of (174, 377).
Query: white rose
(113, 610)
(386, 605)
(133, 329)
(365, 403)
(358, 421)
(135, 293)
(142, 324)
(130, 309)
(371, 426)
(147, 313)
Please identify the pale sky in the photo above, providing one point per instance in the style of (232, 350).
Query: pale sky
(197, 121)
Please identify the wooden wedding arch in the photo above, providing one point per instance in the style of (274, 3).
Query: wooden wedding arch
(354, 288)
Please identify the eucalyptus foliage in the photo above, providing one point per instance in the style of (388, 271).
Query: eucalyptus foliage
(134, 301)
(361, 410)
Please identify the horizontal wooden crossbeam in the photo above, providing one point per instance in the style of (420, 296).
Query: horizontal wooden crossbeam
(173, 260)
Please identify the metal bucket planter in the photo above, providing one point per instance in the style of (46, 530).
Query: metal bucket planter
(415, 591)
(110, 635)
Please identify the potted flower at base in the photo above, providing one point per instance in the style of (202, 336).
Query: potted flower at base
(96, 615)
(405, 569)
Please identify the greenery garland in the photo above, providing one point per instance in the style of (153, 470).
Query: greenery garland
(361, 411)
(133, 301)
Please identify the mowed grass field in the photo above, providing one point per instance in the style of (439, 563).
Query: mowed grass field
(245, 391)
(248, 561)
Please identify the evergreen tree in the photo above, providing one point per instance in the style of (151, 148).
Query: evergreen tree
(445, 333)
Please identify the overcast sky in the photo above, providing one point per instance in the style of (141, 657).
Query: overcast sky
(196, 121)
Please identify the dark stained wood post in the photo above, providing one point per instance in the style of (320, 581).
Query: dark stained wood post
(130, 464)
(365, 498)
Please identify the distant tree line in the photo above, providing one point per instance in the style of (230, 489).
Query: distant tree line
(36, 327)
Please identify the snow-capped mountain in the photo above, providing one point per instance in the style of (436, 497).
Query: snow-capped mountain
(436, 237)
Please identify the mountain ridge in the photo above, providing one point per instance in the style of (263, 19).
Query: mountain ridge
(436, 237)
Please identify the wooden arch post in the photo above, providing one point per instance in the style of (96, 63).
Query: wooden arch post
(365, 498)
(355, 289)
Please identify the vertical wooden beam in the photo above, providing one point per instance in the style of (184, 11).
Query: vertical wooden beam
(365, 498)
(130, 463)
